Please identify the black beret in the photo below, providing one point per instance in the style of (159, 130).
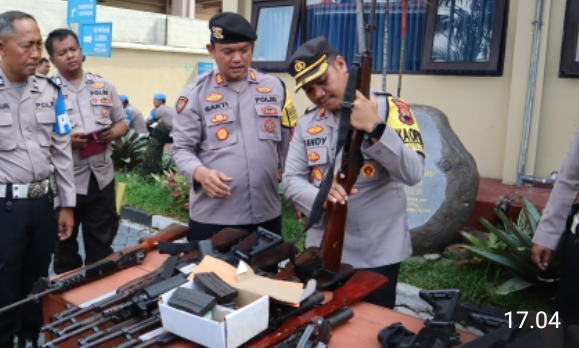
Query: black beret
(310, 61)
(229, 27)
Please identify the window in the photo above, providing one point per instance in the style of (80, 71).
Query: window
(464, 35)
(570, 51)
(276, 24)
(442, 36)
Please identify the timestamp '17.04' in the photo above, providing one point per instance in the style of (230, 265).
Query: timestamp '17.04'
(541, 319)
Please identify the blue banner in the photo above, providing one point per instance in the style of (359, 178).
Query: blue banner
(204, 67)
(81, 11)
(96, 39)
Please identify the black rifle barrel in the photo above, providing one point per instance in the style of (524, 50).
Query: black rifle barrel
(105, 332)
(75, 333)
(30, 299)
(143, 325)
(161, 341)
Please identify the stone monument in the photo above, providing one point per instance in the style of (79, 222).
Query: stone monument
(440, 205)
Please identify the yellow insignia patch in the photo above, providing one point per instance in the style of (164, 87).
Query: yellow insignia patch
(214, 97)
(313, 156)
(97, 85)
(217, 33)
(289, 115)
(222, 134)
(318, 174)
(368, 171)
(269, 110)
(219, 118)
(299, 65)
(219, 79)
(252, 75)
(401, 119)
(264, 89)
(315, 129)
(323, 113)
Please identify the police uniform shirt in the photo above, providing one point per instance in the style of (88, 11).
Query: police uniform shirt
(137, 120)
(240, 134)
(30, 149)
(377, 233)
(164, 113)
(94, 105)
(564, 194)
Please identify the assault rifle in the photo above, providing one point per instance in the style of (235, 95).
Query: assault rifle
(325, 261)
(111, 264)
(222, 240)
(438, 332)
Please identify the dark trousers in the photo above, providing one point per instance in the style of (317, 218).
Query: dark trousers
(567, 301)
(27, 234)
(96, 211)
(201, 231)
(385, 297)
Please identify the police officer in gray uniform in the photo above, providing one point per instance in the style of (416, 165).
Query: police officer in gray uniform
(137, 122)
(96, 113)
(161, 112)
(377, 235)
(231, 126)
(550, 230)
(34, 144)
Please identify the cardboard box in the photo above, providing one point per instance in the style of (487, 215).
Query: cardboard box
(228, 329)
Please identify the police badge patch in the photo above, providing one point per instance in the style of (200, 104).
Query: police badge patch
(269, 110)
(368, 171)
(219, 118)
(264, 89)
(313, 156)
(181, 103)
(222, 134)
(105, 112)
(318, 174)
(315, 129)
(269, 126)
(97, 85)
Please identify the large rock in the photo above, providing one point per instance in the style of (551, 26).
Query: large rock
(441, 204)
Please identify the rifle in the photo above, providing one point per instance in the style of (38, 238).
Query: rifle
(111, 264)
(223, 239)
(327, 267)
(438, 332)
(360, 285)
(319, 332)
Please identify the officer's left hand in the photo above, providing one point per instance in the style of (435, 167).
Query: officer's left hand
(65, 223)
(365, 113)
(107, 135)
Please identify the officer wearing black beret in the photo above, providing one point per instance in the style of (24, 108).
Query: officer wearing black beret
(231, 126)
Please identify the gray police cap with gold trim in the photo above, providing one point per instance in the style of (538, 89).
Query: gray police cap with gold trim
(229, 27)
(310, 61)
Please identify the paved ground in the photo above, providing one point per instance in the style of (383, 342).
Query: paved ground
(128, 235)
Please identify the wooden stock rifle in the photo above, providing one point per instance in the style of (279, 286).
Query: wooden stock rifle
(360, 285)
(324, 263)
(111, 264)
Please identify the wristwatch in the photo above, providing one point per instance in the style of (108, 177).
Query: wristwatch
(377, 131)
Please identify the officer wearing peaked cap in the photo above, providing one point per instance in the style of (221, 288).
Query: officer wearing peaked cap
(231, 126)
(161, 112)
(377, 235)
(96, 113)
(34, 145)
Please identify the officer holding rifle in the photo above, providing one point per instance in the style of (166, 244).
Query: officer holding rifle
(377, 235)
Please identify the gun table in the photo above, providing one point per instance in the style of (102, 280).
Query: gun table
(361, 331)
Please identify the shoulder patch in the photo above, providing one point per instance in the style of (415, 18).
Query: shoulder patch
(181, 103)
(401, 120)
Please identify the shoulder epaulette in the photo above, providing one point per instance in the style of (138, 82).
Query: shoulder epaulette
(52, 82)
(200, 78)
(311, 108)
(379, 92)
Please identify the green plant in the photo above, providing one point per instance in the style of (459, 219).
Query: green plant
(128, 150)
(168, 161)
(509, 246)
(177, 185)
